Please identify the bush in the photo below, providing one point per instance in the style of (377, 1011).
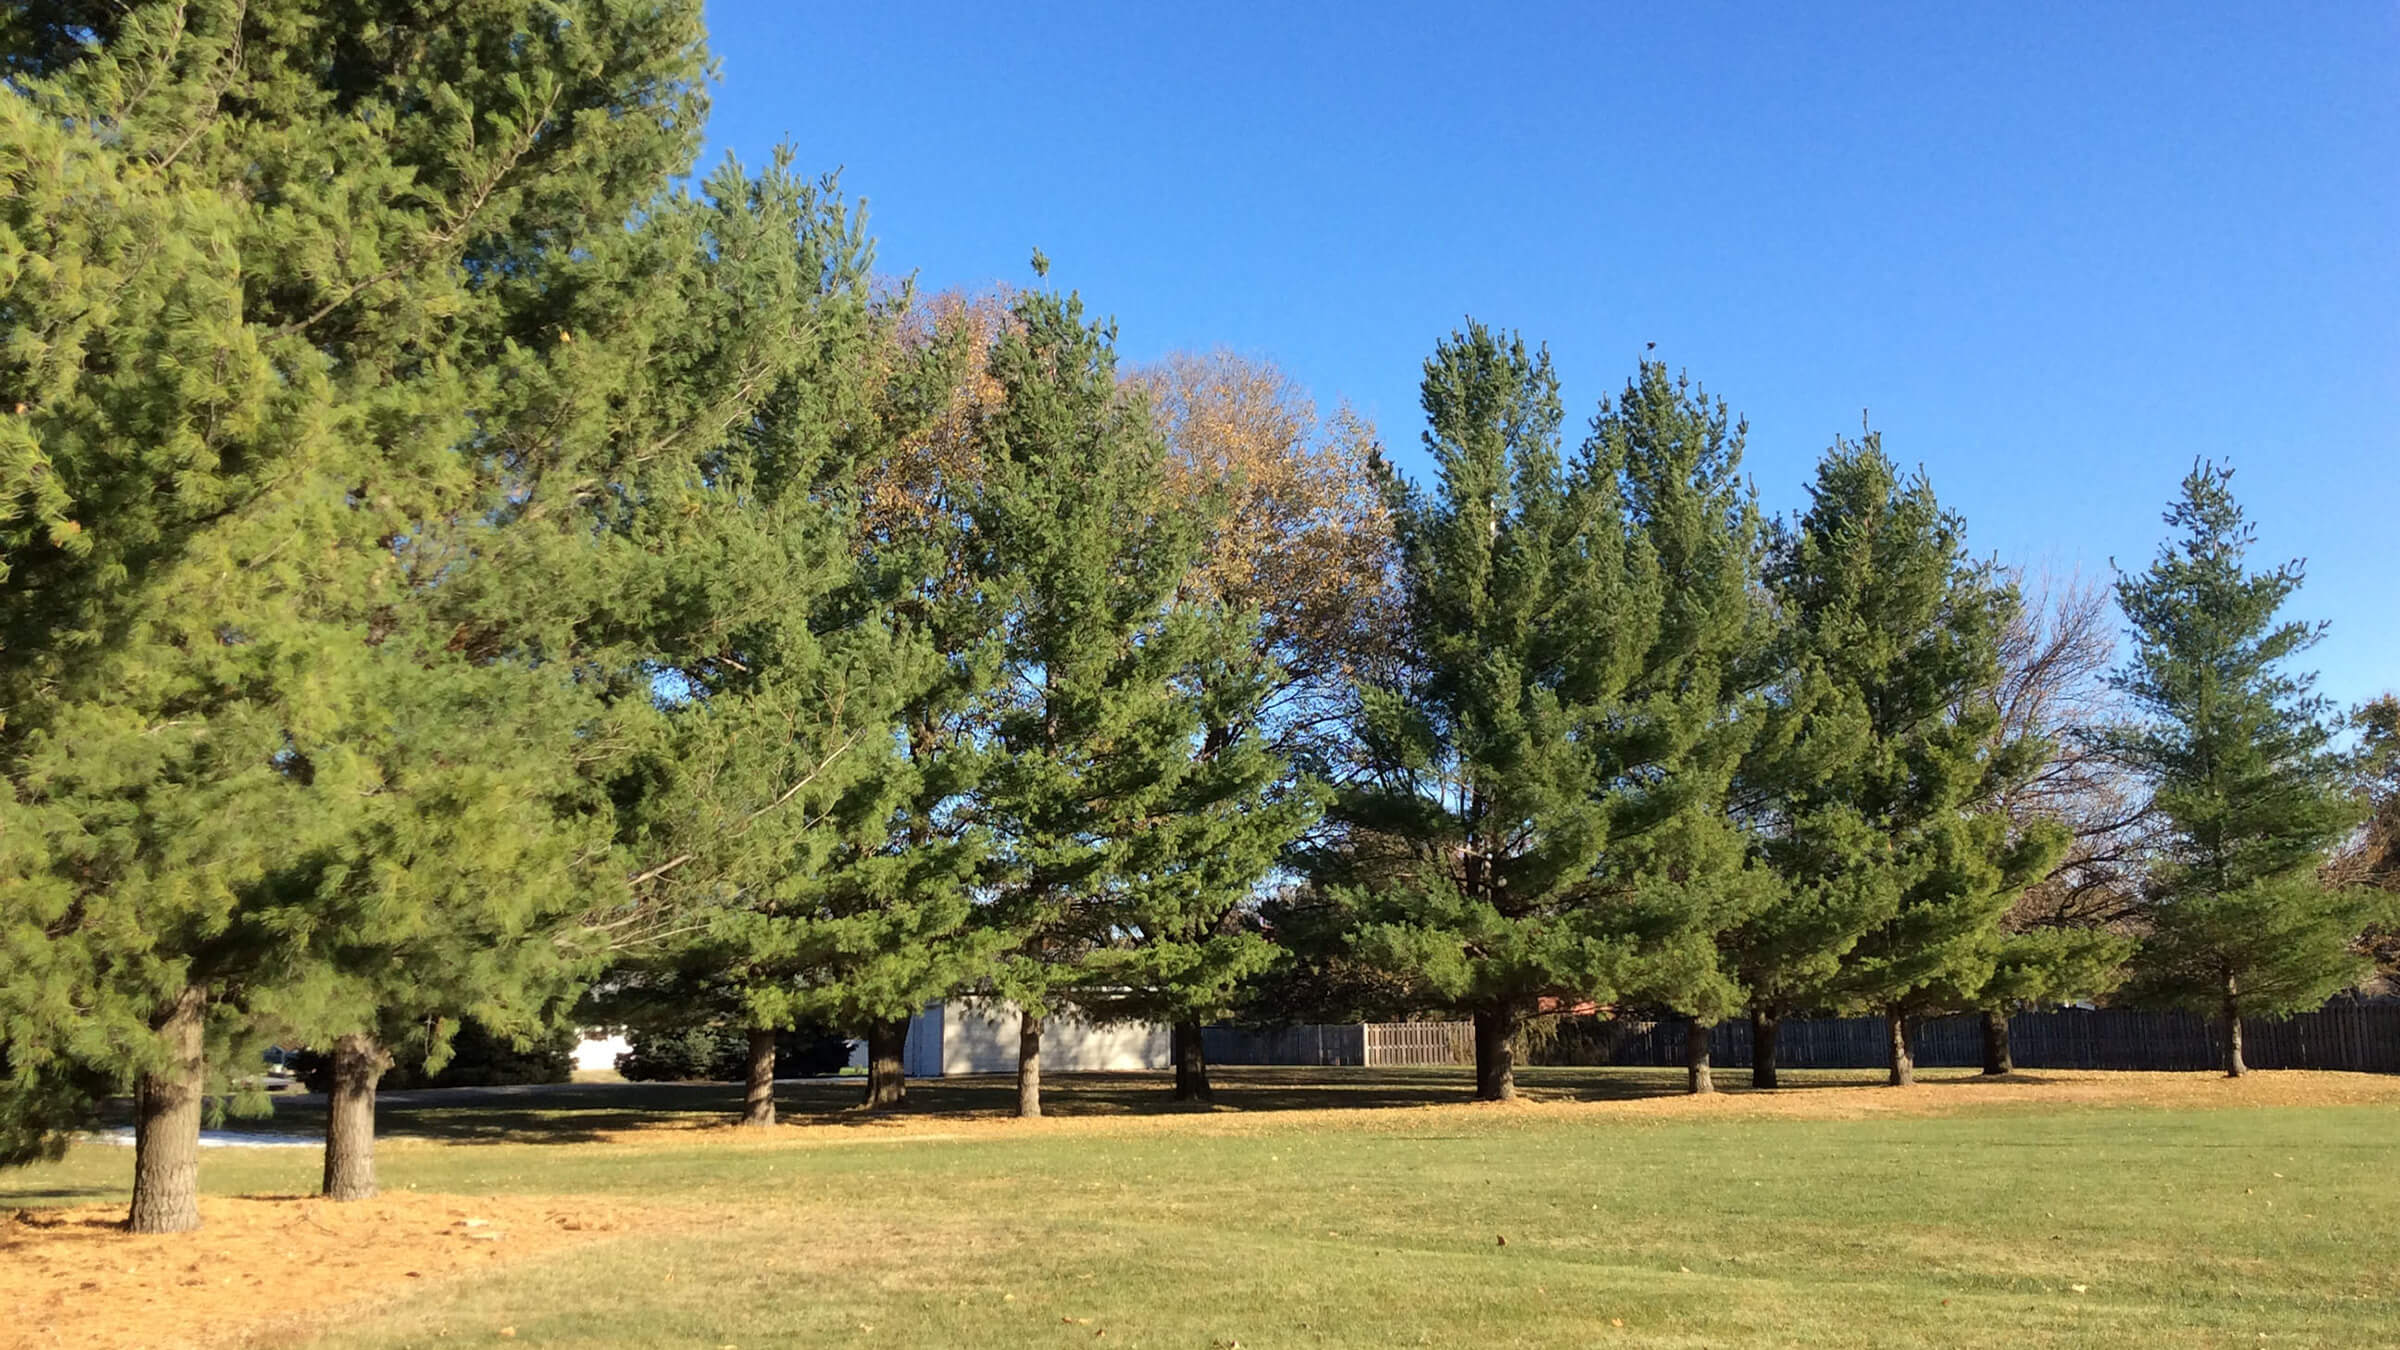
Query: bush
(478, 1058)
(722, 1055)
(681, 1055)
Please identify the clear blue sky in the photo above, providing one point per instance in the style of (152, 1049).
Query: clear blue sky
(2055, 252)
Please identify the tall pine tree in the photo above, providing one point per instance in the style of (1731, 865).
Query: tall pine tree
(895, 926)
(1874, 783)
(322, 240)
(1092, 734)
(1677, 856)
(765, 635)
(2237, 748)
(1514, 584)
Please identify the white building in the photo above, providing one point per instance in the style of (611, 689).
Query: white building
(598, 1049)
(980, 1036)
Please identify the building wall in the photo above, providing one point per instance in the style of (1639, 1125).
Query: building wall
(980, 1036)
(599, 1049)
(922, 1056)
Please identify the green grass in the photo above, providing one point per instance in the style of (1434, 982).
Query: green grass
(1289, 1227)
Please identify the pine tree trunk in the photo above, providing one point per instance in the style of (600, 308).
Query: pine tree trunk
(1764, 1028)
(1904, 1051)
(1695, 1057)
(758, 1100)
(1997, 1058)
(1191, 1064)
(166, 1126)
(2234, 1067)
(1029, 1066)
(1496, 1053)
(887, 1080)
(358, 1064)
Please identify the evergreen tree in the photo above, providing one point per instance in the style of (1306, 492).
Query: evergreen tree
(276, 260)
(2238, 750)
(1091, 735)
(896, 925)
(1884, 752)
(2044, 966)
(774, 658)
(443, 896)
(1514, 587)
(1677, 855)
(1178, 950)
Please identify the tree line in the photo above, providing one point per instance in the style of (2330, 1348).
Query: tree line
(458, 565)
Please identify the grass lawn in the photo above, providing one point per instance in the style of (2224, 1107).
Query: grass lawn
(2062, 1209)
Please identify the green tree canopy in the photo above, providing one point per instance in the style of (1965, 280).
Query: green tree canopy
(271, 269)
(1537, 811)
(1876, 782)
(1096, 722)
(2237, 747)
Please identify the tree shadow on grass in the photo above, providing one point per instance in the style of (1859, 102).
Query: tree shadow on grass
(569, 1113)
(56, 1194)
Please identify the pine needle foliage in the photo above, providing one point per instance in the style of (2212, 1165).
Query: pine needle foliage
(2239, 751)
(1883, 754)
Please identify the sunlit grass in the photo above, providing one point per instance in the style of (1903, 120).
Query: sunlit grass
(2008, 1216)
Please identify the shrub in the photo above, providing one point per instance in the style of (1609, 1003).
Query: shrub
(722, 1054)
(478, 1058)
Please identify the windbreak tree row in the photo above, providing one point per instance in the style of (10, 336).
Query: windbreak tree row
(456, 563)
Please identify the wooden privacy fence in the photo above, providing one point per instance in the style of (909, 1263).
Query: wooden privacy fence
(1420, 1043)
(2343, 1035)
(1353, 1043)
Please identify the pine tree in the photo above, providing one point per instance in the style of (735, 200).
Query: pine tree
(321, 240)
(772, 648)
(2238, 751)
(1298, 532)
(1091, 735)
(896, 925)
(1178, 950)
(443, 896)
(2044, 966)
(1477, 828)
(1677, 855)
(1884, 751)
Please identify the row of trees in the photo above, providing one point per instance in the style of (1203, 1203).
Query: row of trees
(454, 572)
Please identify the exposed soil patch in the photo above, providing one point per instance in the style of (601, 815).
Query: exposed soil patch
(259, 1264)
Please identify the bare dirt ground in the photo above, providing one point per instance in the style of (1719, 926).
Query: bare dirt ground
(260, 1264)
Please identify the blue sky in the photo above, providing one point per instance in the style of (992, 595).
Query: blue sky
(2053, 252)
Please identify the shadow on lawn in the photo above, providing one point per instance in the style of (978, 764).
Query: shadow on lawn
(571, 1113)
(60, 1194)
(585, 1112)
